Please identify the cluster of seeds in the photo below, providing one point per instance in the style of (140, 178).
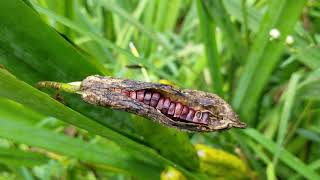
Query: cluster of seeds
(174, 110)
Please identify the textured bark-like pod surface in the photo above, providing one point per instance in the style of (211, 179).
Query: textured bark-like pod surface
(183, 109)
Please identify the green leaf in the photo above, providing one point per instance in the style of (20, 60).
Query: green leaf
(285, 156)
(14, 157)
(264, 55)
(102, 41)
(207, 29)
(309, 135)
(253, 15)
(218, 13)
(18, 91)
(42, 103)
(309, 87)
(34, 43)
(314, 166)
(127, 31)
(289, 99)
(17, 127)
(113, 7)
(309, 56)
(270, 172)
(167, 16)
(170, 142)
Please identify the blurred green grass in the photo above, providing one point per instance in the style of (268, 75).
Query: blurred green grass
(224, 47)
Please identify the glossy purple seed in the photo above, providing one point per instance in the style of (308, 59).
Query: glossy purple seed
(133, 95)
(160, 104)
(166, 105)
(171, 108)
(205, 117)
(140, 95)
(197, 117)
(154, 99)
(126, 92)
(190, 115)
(178, 110)
(184, 113)
(147, 98)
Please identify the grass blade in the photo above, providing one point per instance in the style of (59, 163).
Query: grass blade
(218, 13)
(185, 154)
(14, 157)
(285, 156)
(102, 41)
(309, 56)
(208, 36)
(41, 102)
(286, 112)
(149, 33)
(17, 127)
(127, 31)
(264, 55)
(15, 39)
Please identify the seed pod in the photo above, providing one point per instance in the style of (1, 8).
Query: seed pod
(188, 110)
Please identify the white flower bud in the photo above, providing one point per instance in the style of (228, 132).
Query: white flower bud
(289, 40)
(274, 34)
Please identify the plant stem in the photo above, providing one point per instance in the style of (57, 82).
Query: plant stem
(72, 87)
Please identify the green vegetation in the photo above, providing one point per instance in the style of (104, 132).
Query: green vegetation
(261, 56)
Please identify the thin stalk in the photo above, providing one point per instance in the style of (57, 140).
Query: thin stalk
(72, 87)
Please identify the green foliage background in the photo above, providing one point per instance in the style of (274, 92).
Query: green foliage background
(218, 46)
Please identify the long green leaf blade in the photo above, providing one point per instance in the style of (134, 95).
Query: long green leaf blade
(17, 127)
(286, 157)
(14, 157)
(264, 54)
(208, 36)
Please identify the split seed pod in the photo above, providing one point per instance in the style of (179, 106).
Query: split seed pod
(188, 110)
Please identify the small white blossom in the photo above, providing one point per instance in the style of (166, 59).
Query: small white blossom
(274, 34)
(289, 40)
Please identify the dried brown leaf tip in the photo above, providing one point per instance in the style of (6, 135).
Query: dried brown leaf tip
(189, 110)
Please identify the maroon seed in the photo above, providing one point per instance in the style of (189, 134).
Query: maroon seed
(166, 105)
(171, 108)
(197, 117)
(133, 94)
(205, 118)
(154, 99)
(160, 104)
(147, 98)
(140, 95)
(190, 115)
(184, 113)
(126, 92)
(178, 110)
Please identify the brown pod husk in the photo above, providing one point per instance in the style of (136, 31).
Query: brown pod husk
(106, 91)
